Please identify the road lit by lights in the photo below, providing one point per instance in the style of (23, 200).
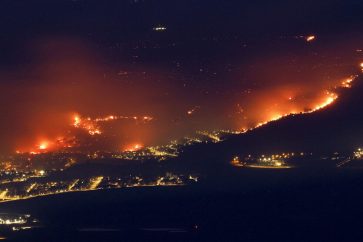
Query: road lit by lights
(275, 161)
(215, 138)
(96, 182)
(39, 188)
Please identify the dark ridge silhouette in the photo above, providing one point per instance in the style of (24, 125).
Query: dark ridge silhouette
(338, 127)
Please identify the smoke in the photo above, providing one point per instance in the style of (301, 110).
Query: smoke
(296, 78)
(59, 77)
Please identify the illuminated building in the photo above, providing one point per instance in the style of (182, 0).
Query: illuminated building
(358, 154)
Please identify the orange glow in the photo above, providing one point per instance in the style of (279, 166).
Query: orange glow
(86, 124)
(328, 100)
(268, 86)
(310, 38)
(114, 118)
(43, 146)
(147, 118)
(193, 110)
(278, 109)
(134, 147)
(347, 83)
(77, 121)
(92, 126)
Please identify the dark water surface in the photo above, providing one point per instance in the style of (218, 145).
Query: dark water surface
(246, 205)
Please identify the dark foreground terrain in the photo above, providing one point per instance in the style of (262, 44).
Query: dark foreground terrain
(245, 205)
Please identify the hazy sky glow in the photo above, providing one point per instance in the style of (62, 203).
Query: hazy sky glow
(48, 76)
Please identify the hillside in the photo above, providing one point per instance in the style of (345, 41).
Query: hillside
(324, 131)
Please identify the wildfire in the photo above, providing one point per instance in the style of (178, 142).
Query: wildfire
(77, 121)
(43, 146)
(287, 102)
(114, 118)
(86, 124)
(330, 97)
(134, 147)
(92, 125)
(329, 100)
(347, 83)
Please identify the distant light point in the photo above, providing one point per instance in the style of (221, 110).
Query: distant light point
(310, 38)
(160, 28)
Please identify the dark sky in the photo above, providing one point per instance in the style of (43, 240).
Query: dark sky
(129, 18)
(123, 20)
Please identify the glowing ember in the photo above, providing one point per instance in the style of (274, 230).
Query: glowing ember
(133, 147)
(193, 110)
(329, 100)
(43, 146)
(347, 83)
(147, 118)
(310, 38)
(92, 125)
(77, 121)
(86, 124)
(114, 118)
(331, 97)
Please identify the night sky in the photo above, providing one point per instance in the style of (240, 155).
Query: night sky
(181, 120)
